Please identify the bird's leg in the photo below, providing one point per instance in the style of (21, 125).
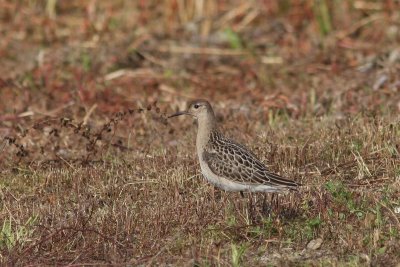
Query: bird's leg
(251, 207)
(266, 207)
(216, 194)
(275, 202)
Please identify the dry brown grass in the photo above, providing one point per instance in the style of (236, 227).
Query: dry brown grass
(153, 206)
(93, 173)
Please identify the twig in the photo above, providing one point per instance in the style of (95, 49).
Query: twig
(247, 20)
(233, 13)
(87, 116)
(69, 164)
(202, 51)
(359, 24)
(144, 72)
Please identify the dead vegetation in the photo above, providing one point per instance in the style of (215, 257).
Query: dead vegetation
(93, 173)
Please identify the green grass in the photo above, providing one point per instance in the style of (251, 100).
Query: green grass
(13, 234)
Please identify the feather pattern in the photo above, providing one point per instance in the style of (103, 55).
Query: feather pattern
(235, 162)
(227, 164)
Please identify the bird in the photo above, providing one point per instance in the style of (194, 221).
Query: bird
(227, 164)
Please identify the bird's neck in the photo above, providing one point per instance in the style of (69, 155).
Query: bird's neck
(206, 126)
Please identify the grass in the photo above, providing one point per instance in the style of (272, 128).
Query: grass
(149, 209)
(93, 173)
(19, 234)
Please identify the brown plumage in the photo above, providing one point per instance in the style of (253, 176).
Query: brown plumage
(227, 164)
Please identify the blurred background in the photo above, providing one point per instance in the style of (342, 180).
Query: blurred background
(299, 56)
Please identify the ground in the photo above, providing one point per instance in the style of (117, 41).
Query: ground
(93, 173)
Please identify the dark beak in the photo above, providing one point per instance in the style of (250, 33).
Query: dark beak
(179, 113)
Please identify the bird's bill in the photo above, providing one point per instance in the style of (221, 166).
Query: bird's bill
(179, 113)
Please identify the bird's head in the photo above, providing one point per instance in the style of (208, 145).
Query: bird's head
(199, 109)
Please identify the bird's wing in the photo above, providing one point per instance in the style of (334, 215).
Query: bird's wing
(233, 161)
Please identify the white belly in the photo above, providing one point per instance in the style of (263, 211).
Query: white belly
(229, 185)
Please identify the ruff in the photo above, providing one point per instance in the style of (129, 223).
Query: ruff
(227, 164)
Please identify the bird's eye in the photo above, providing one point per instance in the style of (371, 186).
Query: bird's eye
(196, 106)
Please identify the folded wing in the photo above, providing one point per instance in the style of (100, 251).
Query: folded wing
(233, 161)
